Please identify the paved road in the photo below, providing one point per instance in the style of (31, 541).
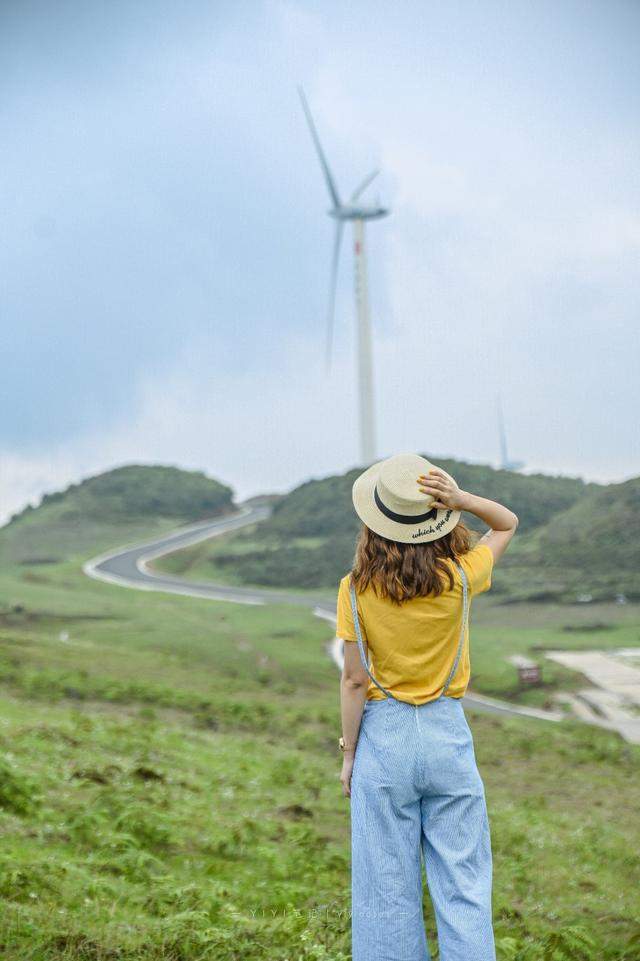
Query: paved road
(128, 567)
(615, 697)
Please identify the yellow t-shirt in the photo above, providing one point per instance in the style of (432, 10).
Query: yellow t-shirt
(412, 646)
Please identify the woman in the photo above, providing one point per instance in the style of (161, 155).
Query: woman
(409, 763)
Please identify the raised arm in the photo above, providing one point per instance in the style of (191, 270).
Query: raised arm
(502, 522)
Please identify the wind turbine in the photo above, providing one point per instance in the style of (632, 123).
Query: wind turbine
(505, 464)
(358, 214)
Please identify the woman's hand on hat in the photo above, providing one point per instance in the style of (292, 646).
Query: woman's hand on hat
(446, 493)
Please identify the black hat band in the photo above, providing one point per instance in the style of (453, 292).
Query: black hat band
(403, 518)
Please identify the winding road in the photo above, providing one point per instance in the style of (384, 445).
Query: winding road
(128, 566)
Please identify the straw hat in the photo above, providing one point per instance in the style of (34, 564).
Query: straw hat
(388, 500)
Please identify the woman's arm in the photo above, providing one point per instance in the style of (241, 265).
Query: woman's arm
(353, 693)
(501, 520)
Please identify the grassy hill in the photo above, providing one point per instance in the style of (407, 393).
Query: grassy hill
(101, 511)
(574, 538)
(604, 522)
(323, 507)
(590, 549)
(169, 781)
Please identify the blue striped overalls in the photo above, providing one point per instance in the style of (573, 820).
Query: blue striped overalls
(415, 788)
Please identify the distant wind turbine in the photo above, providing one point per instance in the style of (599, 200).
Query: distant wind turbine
(358, 214)
(505, 463)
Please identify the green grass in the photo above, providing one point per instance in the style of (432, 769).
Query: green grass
(169, 782)
(140, 834)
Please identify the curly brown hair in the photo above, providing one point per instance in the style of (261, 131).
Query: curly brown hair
(402, 571)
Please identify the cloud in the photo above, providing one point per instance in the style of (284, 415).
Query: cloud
(254, 430)
(168, 271)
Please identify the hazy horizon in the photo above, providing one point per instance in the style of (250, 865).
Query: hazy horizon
(238, 496)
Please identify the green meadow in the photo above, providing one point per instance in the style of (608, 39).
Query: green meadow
(169, 774)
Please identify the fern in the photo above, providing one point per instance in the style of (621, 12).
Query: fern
(571, 944)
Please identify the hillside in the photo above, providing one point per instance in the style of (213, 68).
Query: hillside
(592, 549)
(127, 502)
(565, 524)
(605, 522)
(323, 507)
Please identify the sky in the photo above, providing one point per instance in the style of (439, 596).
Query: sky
(166, 256)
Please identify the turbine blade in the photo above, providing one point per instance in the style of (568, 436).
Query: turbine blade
(333, 190)
(332, 290)
(363, 186)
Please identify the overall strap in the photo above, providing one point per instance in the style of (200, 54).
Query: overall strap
(465, 614)
(363, 656)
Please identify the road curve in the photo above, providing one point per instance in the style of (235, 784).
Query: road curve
(128, 566)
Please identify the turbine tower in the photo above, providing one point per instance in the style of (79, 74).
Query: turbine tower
(358, 213)
(505, 463)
